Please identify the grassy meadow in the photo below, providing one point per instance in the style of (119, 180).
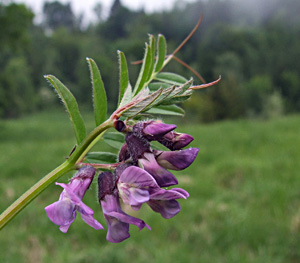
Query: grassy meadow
(244, 203)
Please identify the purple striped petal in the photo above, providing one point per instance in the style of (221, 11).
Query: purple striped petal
(137, 177)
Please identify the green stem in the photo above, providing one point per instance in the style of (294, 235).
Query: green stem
(65, 167)
(33, 192)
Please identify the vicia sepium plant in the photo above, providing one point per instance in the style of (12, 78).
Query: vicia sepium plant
(140, 173)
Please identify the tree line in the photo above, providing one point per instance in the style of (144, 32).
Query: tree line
(254, 46)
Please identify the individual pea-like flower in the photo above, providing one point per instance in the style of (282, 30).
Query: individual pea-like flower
(136, 186)
(176, 160)
(118, 221)
(175, 141)
(153, 130)
(63, 212)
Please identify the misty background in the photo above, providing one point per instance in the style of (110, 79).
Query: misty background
(244, 204)
(254, 45)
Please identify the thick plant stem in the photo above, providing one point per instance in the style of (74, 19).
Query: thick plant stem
(65, 167)
(33, 192)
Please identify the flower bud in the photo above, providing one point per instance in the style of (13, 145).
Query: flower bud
(176, 141)
(137, 145)
(176, 160)
(154, 130)
(106, 184)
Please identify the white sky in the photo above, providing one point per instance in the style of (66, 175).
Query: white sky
(86, 6)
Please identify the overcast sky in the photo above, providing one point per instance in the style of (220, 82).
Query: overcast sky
(86, 6)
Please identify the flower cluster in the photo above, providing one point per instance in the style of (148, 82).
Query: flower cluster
(140, 178)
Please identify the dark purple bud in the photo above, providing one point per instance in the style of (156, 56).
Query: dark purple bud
(106, 184)
(162, 176)
(136, 146)
(120, 125)
(124, 153)
(176, 160)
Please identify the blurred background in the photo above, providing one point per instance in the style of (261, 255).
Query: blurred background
(244, 186)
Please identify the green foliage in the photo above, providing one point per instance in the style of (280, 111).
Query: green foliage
(114, 139)
(257, 91)
(15, 19)
(20, 97)
(124, 77)
(71, 106)
(291, 83)
(99, 94)
(58, 15)
(101, 157)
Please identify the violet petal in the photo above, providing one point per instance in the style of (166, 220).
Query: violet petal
(176, 141)
(156, 129)
(167, 208)
(177, 160)
(118, 221)
(62, 213)
(162, 176)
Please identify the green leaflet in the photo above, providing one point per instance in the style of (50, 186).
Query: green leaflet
(114, 139)
(161, 52)
(158, 85)
(101, 157)
(127, 96)
(71, 105)
(99, 94)
(178, 98)
(152, 51)
(171, 78)
(124, 78)
(141, 103)
(144, 72)
(167, 110)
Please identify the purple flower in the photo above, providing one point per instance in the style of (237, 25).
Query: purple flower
(162, 176)
(63, 212)
(175, 141)
(176, 160)
(118, 221)
(163, 201)
(152, 130)
(136, 186)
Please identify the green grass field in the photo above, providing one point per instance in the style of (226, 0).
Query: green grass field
(244, 203)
